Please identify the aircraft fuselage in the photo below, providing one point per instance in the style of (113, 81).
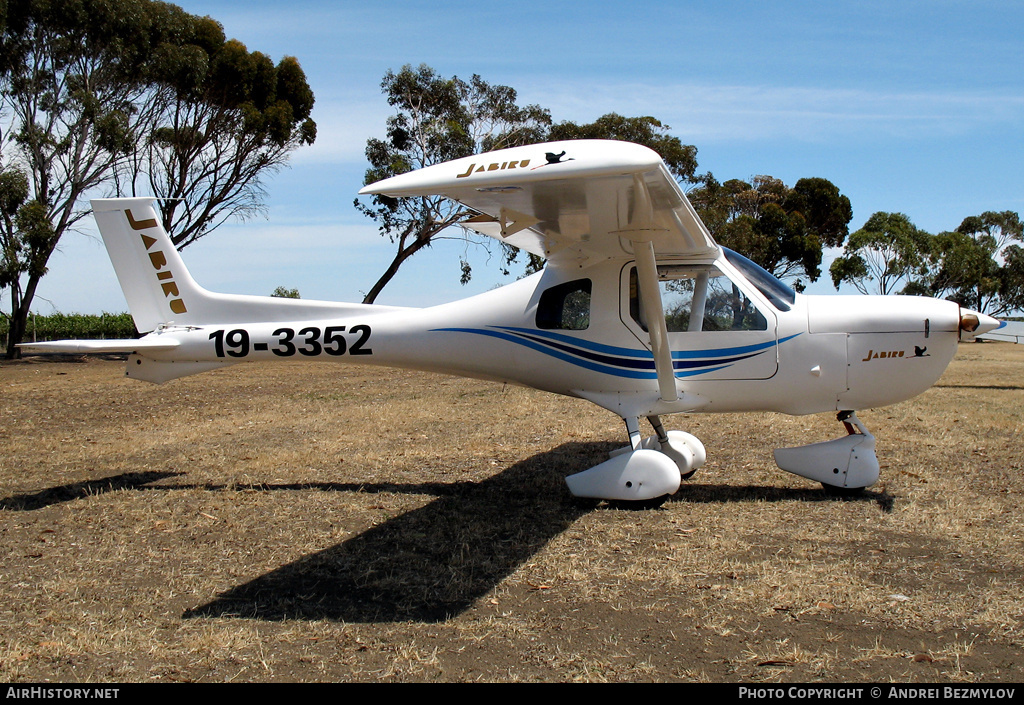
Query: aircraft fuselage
(822, 353)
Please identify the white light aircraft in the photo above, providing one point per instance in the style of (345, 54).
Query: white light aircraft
(638, 311)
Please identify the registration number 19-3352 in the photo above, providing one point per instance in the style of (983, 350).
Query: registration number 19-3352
(311, 342)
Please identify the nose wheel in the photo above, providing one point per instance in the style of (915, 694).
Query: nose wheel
(844, 466)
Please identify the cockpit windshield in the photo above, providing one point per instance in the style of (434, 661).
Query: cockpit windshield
(780, 295)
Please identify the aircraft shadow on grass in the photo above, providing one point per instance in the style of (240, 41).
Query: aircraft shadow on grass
(996, 387)
(426, 565)
(435, 562)
(41, 499)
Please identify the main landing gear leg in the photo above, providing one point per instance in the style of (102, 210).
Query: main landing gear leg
(633, 429)
(646, 471)
(684, 448)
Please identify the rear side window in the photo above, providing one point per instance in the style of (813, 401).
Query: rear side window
(565, 307)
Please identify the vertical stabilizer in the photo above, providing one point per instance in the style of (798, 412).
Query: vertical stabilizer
(160, 291)
(158, 288)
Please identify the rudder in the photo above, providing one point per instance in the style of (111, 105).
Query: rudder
(153, 277)
(161, 292)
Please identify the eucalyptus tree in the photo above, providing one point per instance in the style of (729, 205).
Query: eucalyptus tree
(979, 264)
(437, 119)
(222, 119)
(69, 93)
(784, 229)
(888, 255)
(1011, 287)
(119, 95)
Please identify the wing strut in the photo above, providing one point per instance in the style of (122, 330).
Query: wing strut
(641, 221)
(654, 313)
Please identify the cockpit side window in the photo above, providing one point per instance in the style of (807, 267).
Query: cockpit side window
(698, 298)
(565, 306)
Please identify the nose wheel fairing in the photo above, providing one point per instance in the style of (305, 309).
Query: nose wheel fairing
(849, 462)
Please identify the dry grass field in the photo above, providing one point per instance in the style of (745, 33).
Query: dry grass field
(317, 522)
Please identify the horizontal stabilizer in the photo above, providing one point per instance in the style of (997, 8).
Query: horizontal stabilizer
(127, 345)
(1008, 332)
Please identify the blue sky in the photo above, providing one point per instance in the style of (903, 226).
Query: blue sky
(909, 106)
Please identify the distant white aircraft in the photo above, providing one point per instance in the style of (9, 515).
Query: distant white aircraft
(638, 310)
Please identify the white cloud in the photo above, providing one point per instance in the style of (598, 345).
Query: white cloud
(760, 112)
(342, 128)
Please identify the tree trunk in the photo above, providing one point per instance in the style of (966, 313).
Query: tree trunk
(16, 334)
(392, 269)
(19, 317)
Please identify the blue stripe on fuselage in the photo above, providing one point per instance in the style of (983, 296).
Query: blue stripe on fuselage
(618, 361)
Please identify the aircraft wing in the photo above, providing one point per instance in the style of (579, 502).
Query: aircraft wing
(576, 200)
(1008, 331)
